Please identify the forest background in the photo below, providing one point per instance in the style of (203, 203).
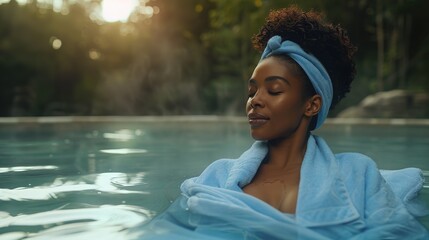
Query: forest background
(177, 57)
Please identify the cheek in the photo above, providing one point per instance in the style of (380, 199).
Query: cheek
(288, 109)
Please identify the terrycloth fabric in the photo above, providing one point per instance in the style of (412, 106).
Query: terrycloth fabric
(314, 69)
(406, 184)
(340, 196)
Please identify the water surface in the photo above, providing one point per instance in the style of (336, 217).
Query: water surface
(99, 179)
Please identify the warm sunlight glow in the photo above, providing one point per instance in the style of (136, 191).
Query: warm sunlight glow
(117, 10)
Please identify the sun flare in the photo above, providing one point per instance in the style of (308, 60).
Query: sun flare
(117, 10)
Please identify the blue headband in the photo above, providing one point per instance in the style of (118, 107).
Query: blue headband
(314, 69)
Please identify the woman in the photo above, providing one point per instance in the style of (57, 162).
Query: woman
(289, 184)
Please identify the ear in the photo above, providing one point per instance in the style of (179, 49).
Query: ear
(313, 105)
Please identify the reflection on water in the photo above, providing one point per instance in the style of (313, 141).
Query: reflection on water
(26, 168)
(88, 181)
(123, 134)
(123, 151)
(62, 199)
(104, 182)
(104, 222)
(75, 221)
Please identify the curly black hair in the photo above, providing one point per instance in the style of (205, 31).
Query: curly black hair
(328, 43)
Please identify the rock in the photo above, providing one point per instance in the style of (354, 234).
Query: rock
(390, 104)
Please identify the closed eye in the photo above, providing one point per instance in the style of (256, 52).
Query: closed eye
(274, 93)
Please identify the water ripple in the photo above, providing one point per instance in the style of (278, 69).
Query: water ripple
(123, 151)
(104, 222)
(103, 182)
(27, 168)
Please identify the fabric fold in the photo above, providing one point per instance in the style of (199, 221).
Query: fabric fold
(341, 196)
(330, 203)
(407, 183)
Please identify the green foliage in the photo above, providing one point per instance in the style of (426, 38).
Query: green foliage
(405, 47)
(167, 68)
(194, 57)
(43, 61)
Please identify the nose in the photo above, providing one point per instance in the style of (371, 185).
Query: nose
(256, 101)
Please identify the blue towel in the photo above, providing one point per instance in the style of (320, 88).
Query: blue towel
(341, 196)
(406, 184)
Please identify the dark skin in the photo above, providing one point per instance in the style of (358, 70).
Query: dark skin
(280, 114)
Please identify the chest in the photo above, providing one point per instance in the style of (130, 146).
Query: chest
(280, 192)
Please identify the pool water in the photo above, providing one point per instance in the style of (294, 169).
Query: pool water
(81, 180)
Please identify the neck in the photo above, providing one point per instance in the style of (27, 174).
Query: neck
(288, 153)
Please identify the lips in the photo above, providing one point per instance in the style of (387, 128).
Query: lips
(257, 119)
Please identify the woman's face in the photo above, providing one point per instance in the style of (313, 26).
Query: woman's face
(276, 103)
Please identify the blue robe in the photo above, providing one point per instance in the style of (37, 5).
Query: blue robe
(341, 196)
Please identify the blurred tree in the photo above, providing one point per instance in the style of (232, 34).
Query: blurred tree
(45, 68)
(405, 41)
(183, 57)
(390, 34)
(232, 23)
(168, 65)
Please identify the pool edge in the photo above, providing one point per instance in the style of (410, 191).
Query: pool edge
(198, 118)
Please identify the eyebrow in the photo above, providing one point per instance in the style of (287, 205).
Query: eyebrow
(270, 79)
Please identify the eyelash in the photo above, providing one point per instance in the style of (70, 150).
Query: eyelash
(272, 93)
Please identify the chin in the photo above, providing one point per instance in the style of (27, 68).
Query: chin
(259, 137)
